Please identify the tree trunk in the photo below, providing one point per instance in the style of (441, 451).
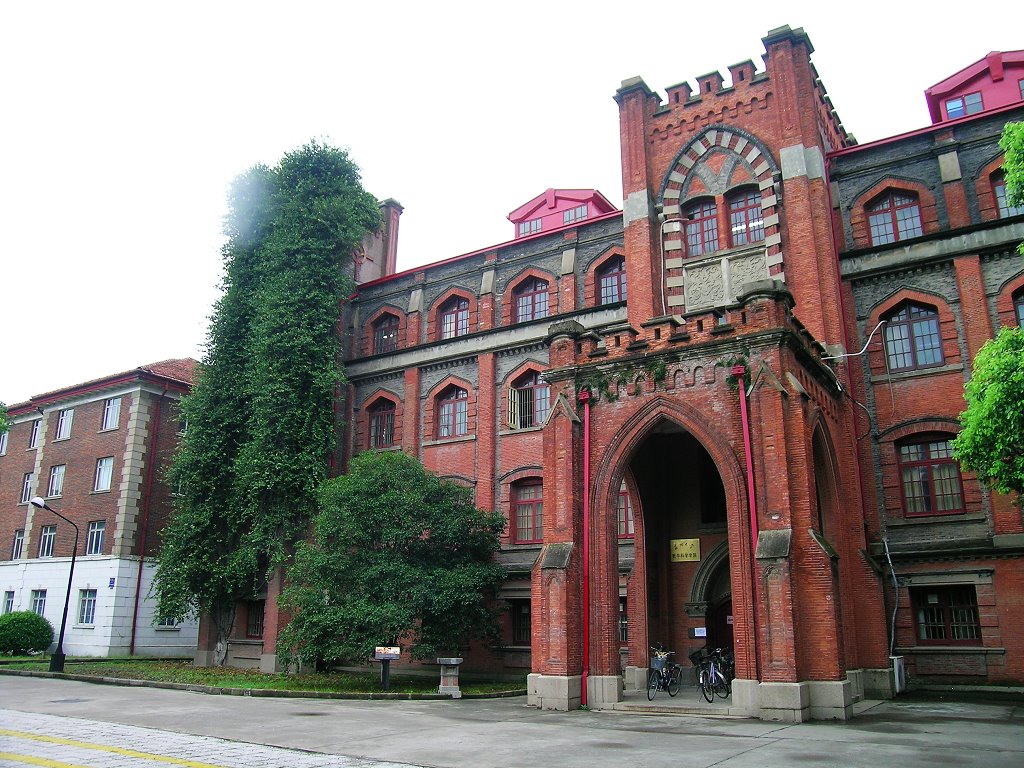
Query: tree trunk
(223, 617)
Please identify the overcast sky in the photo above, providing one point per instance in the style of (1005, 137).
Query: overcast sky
(123, 125)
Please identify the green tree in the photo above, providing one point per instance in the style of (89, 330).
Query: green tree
(991, 441)
(5, 420)
(261, 418)
(398, 556)
(1012, 144)
(23, 632)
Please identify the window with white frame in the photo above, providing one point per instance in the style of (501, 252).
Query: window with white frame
(26, 487)
(529, 400)
(8, 601)
(968, 104)
(87, 606)
(104, 472)
(1002, 201)
(452, 413)
(18, 544)
(94, 540)
(528, 227)
(3, 443)
(47, 534)
(574, 214)
(164, 622)
(38, 601)
(111, 413)
(56, 484)
(33, 434)
(64, 419)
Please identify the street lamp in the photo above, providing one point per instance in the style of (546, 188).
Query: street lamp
(57, 659)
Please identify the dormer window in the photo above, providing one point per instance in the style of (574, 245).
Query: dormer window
(701, 228)
(529, 227)
(963, 105)
(574, 214)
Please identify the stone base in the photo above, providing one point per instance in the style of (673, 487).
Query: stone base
(745, 699)
(785, 702)
(269, 664)
(831, 699)
(558, 692)
(203, 659)
(878, 683)
(450, 690)
(635, 678)
(856, 678)
(603, 691)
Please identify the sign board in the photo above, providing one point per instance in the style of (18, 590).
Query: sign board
(387, 652)
(700, 631)
(684, 550)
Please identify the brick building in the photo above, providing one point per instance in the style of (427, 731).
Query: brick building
(96, 452)
(671, 404)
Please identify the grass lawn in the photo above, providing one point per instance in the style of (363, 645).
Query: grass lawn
(334, 682)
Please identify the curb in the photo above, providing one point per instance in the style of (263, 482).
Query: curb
(214, 690)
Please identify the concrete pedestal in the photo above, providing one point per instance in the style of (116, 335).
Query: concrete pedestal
(558, 692)
(603, 691)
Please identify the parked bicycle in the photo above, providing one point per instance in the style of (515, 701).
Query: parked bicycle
(715, 671)
(665, 675)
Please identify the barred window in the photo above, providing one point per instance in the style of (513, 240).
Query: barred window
(255, 610)
(382, 424)
(930, 478)
(946, 615)
(520, 612)
(529, 400)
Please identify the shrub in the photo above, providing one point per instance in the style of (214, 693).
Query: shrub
(23, 632)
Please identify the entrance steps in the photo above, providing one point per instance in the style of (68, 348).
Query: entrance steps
(689, 701)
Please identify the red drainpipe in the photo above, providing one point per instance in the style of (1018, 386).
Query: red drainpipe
(145, 517)
(739, 372)
(585, 399)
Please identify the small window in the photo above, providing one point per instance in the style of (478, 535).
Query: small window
(87, 606)
(574, 214)
(26, 487)
(47, 534)
(530, 300)
(520, 613)
(182, 427)
(746, 224)
(529, 400)
(963, 105)
(625, 513)
(255, 610)
(33, 435)
(18, 544)
(94, 540)
(930, 478)
(611, 281)
(1005, 209)
(528, 227)
(164, 622)
(39, 601)
(896, 216)
(64, 419)
(701, 228)
(56, 484)
(104, 472)
(3, 443)
(8, 601)
(385, 334)
(623, 622)
(452, 413)
(528, 506)
(111, 413)
(946, 615)
(455, 318)
(382, 424)
(912, 338)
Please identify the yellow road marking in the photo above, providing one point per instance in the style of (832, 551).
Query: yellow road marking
(98, 747)
(37, 761)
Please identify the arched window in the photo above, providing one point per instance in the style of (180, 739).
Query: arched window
(452, 412)
(382, 424)
(912, 338)
(930, 477)
(454, 318)
(895, 216)
(625, 513)
(385, 334)
(611, 281)
(1018, 306)
(701, 228)
(746, 224)
(999, 187)
(529, 400)
(531, 300)
(528, 512)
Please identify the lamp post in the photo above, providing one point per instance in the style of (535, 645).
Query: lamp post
(57, 659)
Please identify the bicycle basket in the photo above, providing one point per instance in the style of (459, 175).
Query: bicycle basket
(698, 656)
(658, 662)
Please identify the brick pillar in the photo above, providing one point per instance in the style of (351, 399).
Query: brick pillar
(973, 306)
(487, 419)
(412, 436)
(274, 620)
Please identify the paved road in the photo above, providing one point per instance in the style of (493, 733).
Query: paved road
(198, 730)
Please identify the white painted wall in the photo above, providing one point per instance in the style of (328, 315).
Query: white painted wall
(114, 580)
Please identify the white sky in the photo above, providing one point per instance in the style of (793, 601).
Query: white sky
(123, 125)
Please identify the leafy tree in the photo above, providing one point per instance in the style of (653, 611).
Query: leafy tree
(398, 555)
(261, 419)
(1012, 144)
(23, 632)
(5, 420)
(991, 442)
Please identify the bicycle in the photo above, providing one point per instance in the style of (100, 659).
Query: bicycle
(665, 675)
(714, 672)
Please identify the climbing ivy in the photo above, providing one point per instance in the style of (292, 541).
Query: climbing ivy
(606, 381)
(260, 416)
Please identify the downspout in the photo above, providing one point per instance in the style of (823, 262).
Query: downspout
(739, 371)
(145, 518)
(585, 399)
